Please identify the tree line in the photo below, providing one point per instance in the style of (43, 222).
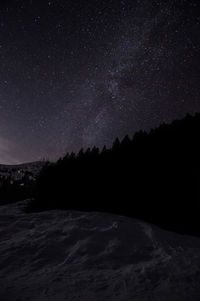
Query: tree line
(153, 176)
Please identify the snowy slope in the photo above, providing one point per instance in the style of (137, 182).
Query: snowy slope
(63, 255)
(16, 172)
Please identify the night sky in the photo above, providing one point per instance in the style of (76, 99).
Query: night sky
(79, 73)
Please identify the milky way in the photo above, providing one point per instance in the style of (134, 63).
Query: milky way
(80, 73)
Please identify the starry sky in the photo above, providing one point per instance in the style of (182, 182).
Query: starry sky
(80, 73)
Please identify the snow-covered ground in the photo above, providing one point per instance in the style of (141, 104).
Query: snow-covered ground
(66, 255)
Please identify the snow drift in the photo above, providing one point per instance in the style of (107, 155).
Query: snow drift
(66, 255)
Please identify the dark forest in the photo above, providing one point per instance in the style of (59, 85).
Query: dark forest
(153, 176)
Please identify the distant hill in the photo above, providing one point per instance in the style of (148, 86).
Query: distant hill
(17, 182)
(18, 171)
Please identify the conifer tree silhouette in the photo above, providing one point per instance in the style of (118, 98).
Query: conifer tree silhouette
(153, 176)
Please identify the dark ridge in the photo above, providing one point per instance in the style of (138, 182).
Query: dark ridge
(22, 165)
(154, 177)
